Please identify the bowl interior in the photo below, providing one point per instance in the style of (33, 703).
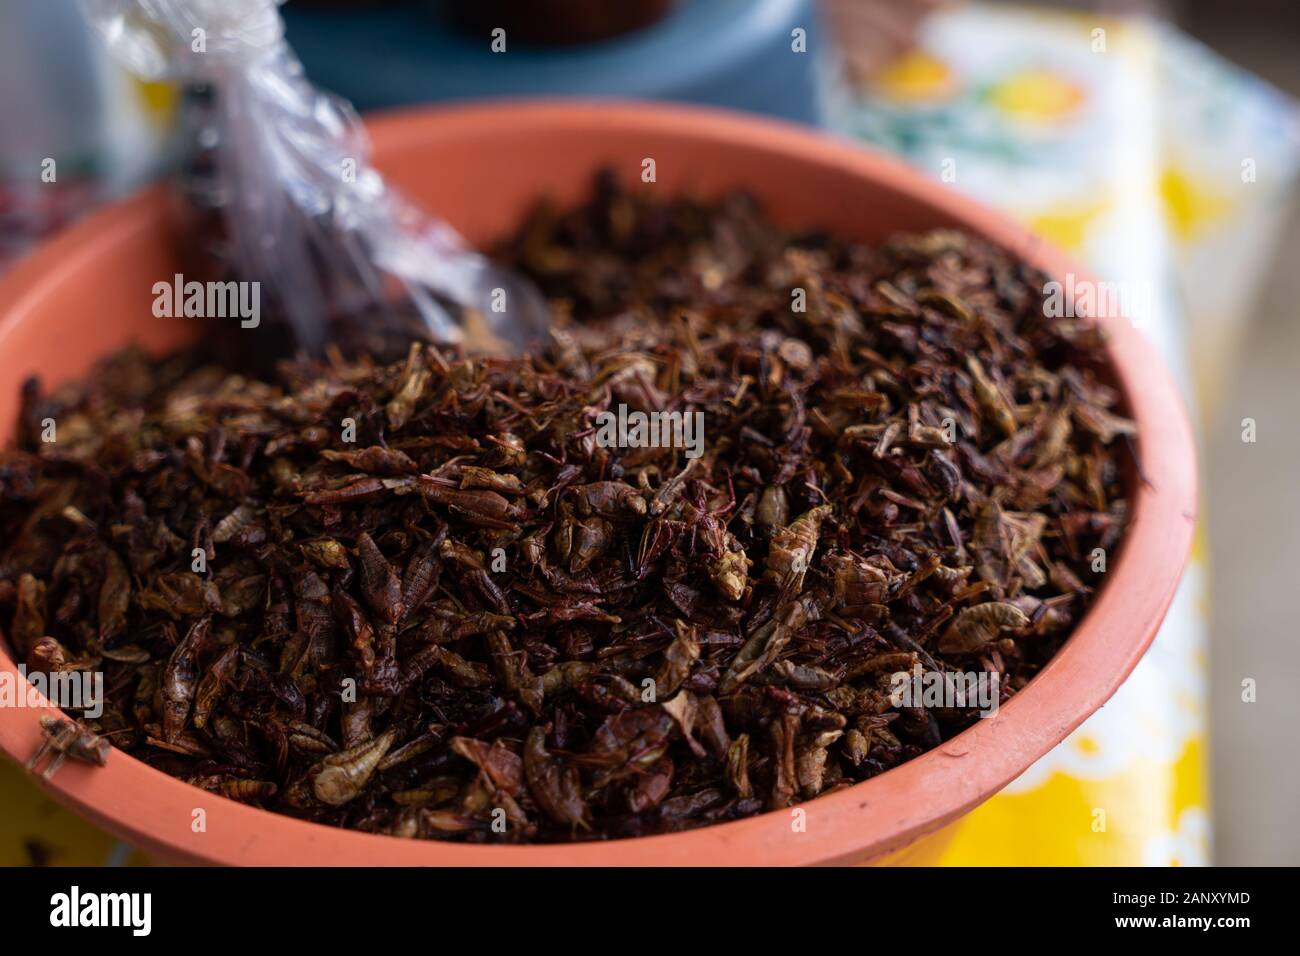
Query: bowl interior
(481, 167)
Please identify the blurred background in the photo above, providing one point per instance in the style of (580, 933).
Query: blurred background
(1254, 516)
(1159, 142)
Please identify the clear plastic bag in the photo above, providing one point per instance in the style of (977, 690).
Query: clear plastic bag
(300, 208)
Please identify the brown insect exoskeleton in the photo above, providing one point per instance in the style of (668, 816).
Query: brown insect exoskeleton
(66, 738)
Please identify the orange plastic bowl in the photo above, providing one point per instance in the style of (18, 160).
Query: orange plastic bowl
(89, 292)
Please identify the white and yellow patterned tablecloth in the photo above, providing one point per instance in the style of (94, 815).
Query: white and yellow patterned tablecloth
(1138, 150)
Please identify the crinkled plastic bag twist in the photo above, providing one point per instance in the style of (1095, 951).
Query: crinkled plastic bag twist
(304, 211)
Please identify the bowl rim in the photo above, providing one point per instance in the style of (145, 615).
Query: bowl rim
(870, 819)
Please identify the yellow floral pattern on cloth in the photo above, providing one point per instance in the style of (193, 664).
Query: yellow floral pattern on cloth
(1121, 141)
(1068, 224)
(1192, 206)
(917, 77)
(1038, 95)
